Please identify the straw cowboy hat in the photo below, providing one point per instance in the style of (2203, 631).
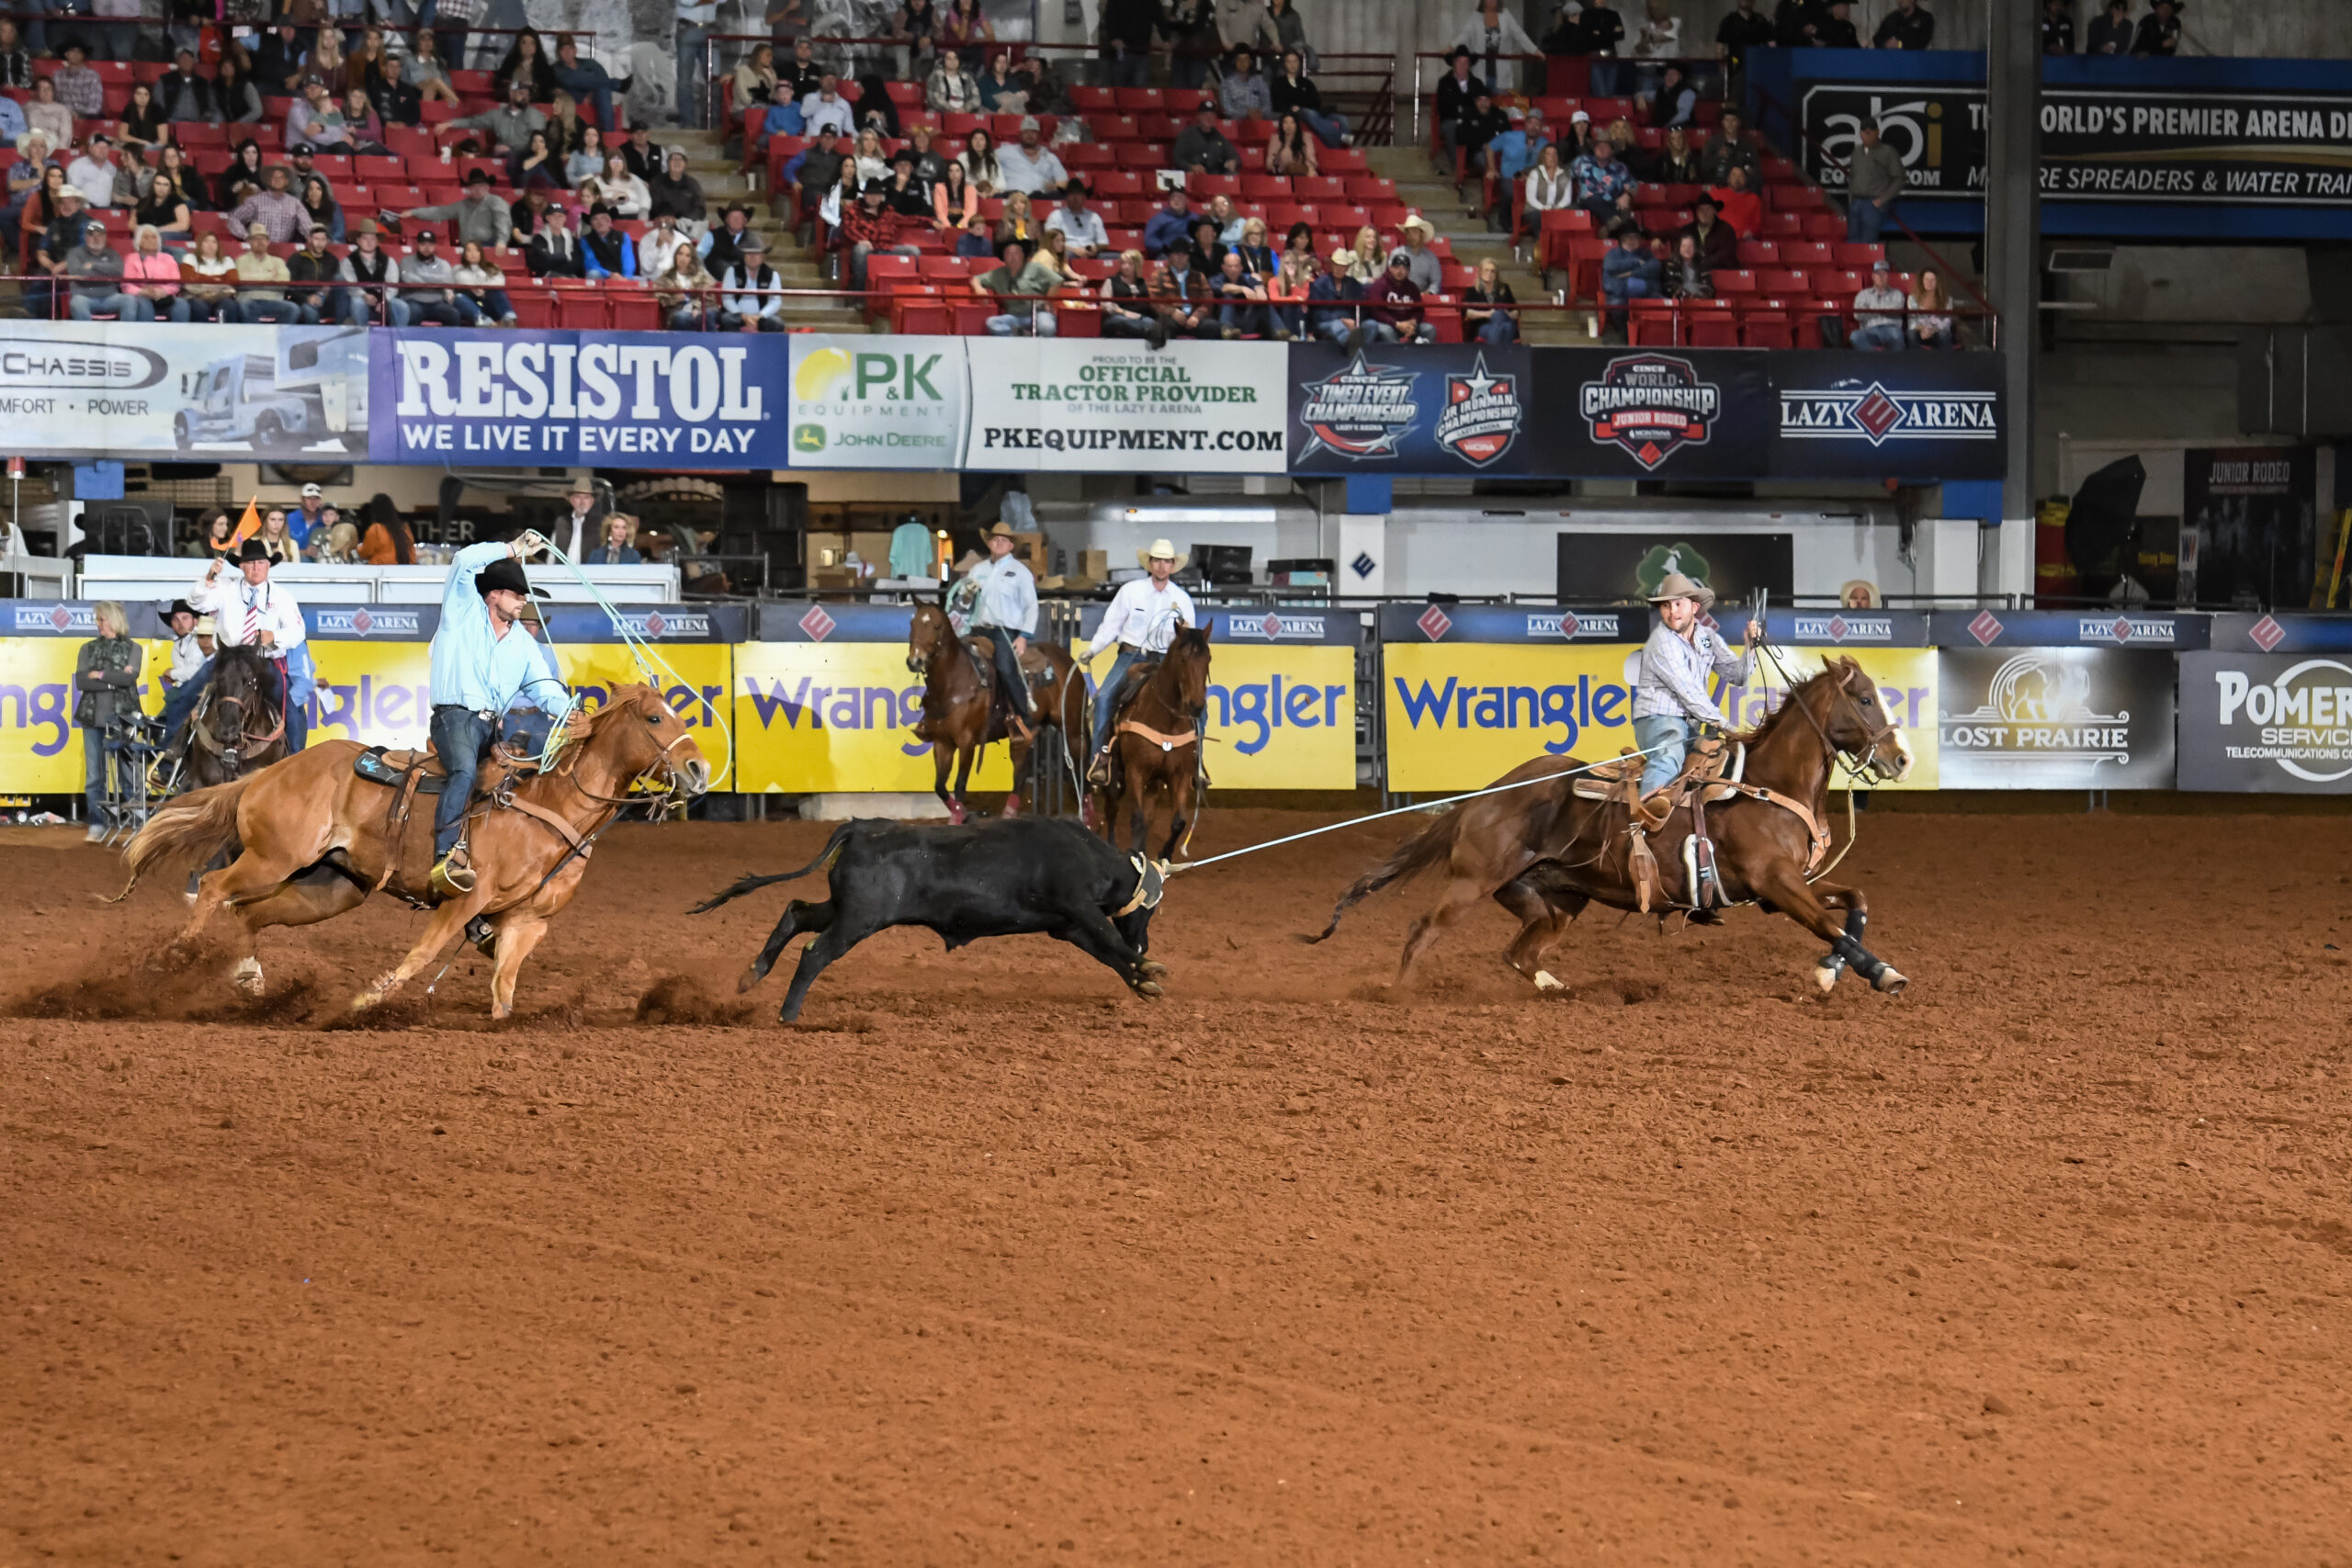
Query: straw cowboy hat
(1160, 550)
(1415, 221)
(1676, 586)
(1003, 530)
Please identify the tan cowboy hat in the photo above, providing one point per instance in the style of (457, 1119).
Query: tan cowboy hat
(1676, 586)
(1415, 221)
(1003, 530)
(205, 626)
(1343, 257)
(1160, 550)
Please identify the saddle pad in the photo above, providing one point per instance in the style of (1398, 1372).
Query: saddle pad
(378, 765)
(1594, 788)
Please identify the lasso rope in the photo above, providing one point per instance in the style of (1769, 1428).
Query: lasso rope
(649, 663)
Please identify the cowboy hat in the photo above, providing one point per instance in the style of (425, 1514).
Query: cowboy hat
(1161, 550)
(206, 626)
(1676, 586)
(506, 572)
(1343, 257)
(1003, 530)
(251, 551)
(1415, 221)
(179, 607)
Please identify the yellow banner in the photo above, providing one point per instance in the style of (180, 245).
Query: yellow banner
(40, 749)
(1462, 715)
(378, 694)
(1279, 718)
(817, 718)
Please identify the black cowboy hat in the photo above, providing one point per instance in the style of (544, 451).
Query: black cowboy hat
(252, 549)
(179, 607)
(506, 572)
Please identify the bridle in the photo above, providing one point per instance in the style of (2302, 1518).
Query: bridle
(1867, 761)
(232, 756)
(672, 794)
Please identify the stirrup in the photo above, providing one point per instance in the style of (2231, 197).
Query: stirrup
(453, 877)
(1098, 772)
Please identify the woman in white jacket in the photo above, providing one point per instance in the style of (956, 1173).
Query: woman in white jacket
(1490, 34)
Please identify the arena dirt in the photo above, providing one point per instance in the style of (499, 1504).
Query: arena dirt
(989, 1263)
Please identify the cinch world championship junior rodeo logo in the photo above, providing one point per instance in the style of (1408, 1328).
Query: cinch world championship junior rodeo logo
(1653, 405)
(1359, 411)
(1482, 413)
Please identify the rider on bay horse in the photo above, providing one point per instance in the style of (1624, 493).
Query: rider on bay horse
(483, 661)
(1144, 617)
(255, 611)
(1671, 708)
(1007, 615)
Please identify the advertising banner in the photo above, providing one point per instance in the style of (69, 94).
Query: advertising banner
(1643, 413)
(41, 746)
(2055, 718)
(1631, 566)
(868, 402)
(2274, 723)
(822, 717)
(2247, 633)
(546, 398)
(190, 393)
(2254, 513)
(2186, 144)
(1113, 406)
(2069, 628)
(1540, 624)
(1461, 716)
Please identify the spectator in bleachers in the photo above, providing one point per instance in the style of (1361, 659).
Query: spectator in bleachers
(280, 60)
(319, 266)
(1742, 209)
(1509, 154)
(1201, 148)
(1627, 145)
(1288, 28)
(870, 226)
(1286, 290)
(2159, 34)
(387, 541)
(1030, 166)
(1224, 217)
(1290, 151)
(1687, 274)
(586, 159)
(1717, 242)
(916, 22)
(426, 66)
(1180, 293)
(629, 196)
(827, 107)
(1909, 26)
(1677, 161)
(1659, 38)
(164, 209)
(1125, 28)
(320, 210)
(2111, 31)
(980, 165)
(950, 89)
(301, 166)
(1245, 24)
(871, 164)
(428, 266)
(1053, 254)
(2057, 27)
(1931, 313)
(236, 97)
(749, 292)
(1256, 254)
(1601, 178)
(658, 245)
(1741, 33)
(1127, 300)
(1491, 33)
(1674, 102)
(261, 273)
(527, 61)
(1370, 253)
(509, 125)
(1192, 40)
(1293, 92)
(567, 131)
(152, 274)
(144, 126)
(16, 61)
(26, 177)
(1489, 309)
(92, 172)
(616, 548)
(675, 193)
(1547, 188)
(798, 76)
(1011, 285)
(1081, 227)
(1018, 223)
(78, 87)
(1242, 93)
(1332, 299)
(13, 123)
(1001, 91)
(1874, 178)
(363, 129)
(365, 66)
(479, 215)
(1168, 229)
(953, 202)
(206, 292)
(755, 78)
(1207, 247)
(587, 81)
(976, 241)
(1482, 122)
(284, 546)
(1392, 308)
(481, 286)
(931, 164)
(555, 251)
(1872, 329)
(1730, 144)
(173, 163)
(1602, 32)
(810, 173)
(535, 168)
(1628, 272)
(374, 274)
(1836, 30)
(723, 245)
(1420, 261)
(275, 209)
(313, 121)
(45, 113)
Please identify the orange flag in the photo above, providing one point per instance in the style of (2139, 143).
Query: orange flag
(251, 523)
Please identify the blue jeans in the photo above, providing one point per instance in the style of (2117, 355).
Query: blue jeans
(1880, 337)
(122, 307)
(357, 301)
(180, 701)
(1129, 69)
(1608, 77)
(1329, 128)
(594, 88)
(272, 310)
(1500, 329)
(1865, 219)
(1103, 717)
(1117, 323)
(94, 777)
(1334, 329)
(494, 305)
(461, 739)
(1672, 735)
(1011, 326)
(1008, 668)
(1381, 332)
(693, 87)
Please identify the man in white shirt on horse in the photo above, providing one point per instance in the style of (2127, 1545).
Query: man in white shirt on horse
(258, 611)
(1007, 615)
(1143, 618)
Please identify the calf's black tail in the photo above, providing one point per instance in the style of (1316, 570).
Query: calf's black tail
(824, 862)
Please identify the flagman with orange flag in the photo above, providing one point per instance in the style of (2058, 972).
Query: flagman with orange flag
(252, 522)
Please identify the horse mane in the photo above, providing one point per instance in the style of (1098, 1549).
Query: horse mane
(1836, 670)
(245, 657)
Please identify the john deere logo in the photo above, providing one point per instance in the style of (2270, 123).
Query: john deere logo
(808, 438)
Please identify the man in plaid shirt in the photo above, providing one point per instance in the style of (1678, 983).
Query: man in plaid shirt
(78, 87)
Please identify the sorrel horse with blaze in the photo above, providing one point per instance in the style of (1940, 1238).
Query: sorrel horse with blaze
(1156, 745)
(962, 713)
(1543, 851)
(315, 838)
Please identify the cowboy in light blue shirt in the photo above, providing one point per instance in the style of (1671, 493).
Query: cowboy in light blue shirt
(1007, 613)
(483, 660)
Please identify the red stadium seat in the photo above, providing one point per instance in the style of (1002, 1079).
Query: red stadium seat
(1780, 280)
(1766, 329)
(1734, 281)
(534, 306)
(1857, 255)
(972, 317)
(1805, 253)
(929, 319)
(1758, 253)
(1654, 323)
(1710, 323)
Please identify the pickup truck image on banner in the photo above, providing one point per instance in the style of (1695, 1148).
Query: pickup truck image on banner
(108, 390)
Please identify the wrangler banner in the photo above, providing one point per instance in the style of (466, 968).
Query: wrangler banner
(41, 746)
(1279, 718)
(1462, 715)
(836, 716)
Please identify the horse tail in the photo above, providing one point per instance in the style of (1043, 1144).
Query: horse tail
(824, 862)
(1430, 846)
(189, 829)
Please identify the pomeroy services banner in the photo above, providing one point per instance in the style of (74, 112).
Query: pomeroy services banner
(1018, 404)
(1643, 413)
(611, 399)
(186, 393)
(2274, 723)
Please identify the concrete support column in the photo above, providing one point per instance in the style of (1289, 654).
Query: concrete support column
(2013, 263)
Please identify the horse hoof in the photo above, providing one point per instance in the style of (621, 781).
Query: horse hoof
(1147, 988)
(1890, 980)
(1151, 969)
(246, 976)
(1544, 981)
(1825, 977)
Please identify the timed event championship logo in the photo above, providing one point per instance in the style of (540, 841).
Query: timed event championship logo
(1653, 405)
(1359, 411)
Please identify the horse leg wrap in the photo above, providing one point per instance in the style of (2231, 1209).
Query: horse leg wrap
(1849, 948)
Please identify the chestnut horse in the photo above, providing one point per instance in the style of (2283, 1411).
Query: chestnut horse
(1543, 851)
(1156, 744)
(961, 713)
(316, 839)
